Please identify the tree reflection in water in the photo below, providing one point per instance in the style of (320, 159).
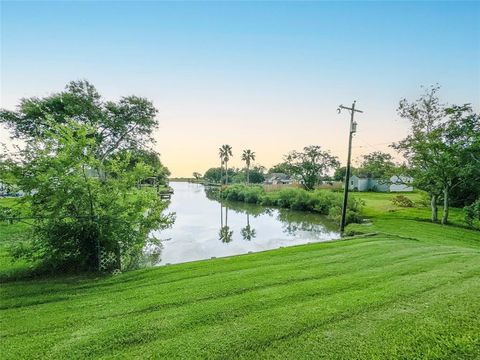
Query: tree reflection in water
(248, 233)
(225, 234)
(292, 222)
(151, 254)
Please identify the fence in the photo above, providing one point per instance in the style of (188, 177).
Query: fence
(106, 260)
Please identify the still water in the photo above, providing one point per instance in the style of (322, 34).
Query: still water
(206, 228)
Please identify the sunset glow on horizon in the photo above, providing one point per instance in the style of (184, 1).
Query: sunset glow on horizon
(261, 76)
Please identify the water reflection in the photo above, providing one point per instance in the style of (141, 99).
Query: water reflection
(198, 233)
(151, 254)
(225, 234)
(248, 233)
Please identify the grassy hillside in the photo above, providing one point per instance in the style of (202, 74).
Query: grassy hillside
(409, 291)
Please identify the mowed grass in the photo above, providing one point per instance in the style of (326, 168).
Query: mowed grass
(410, 291)
(10, 235)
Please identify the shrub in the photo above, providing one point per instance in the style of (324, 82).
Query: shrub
(353, 211)
(242, 192)
(402, 201)
(324, 202)
(253, 194)
(472, 214)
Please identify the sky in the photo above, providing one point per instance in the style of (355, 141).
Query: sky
(266, 76)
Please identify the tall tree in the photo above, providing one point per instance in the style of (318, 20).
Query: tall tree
(149, 157)
(214, 175)
(197, 175)
(339, 174)
(80, 168)
(128, 123)
(443, 147)
(225, 152)
(377, 165)
(310, 164)
(77, 214)
(280, 168)
(248, 156)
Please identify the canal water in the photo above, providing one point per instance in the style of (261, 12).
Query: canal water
(206, 228)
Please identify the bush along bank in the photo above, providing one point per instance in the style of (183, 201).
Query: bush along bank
(320, 201)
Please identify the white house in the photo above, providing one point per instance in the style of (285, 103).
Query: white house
(400, 183)
(394, 184)
(277, 178)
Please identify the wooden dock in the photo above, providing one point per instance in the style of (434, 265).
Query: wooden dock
(166, 194)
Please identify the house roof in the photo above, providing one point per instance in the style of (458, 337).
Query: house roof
(277, 176)
(361, 176)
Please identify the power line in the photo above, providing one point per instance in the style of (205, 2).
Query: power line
(353, 129)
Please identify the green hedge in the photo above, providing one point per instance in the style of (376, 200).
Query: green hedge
(324, 202)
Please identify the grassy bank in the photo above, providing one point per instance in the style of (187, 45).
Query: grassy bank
(409, 291)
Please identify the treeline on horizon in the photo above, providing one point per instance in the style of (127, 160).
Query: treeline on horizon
(441, 157)
(90, 176)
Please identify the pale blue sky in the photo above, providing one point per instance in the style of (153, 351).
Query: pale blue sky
(264, 75)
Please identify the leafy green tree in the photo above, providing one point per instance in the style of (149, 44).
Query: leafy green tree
(238, 177)
(310, 164)
(197, 175)
(225, 151)
(339, 174)
(283, 168)
(378, 165)
(81, 206)
(215, 175)
(248, 156)
(126, 124)
(465, 193)
(257, 174)
(443, 147)
(149, 157)
(83, 162)
(472, 214)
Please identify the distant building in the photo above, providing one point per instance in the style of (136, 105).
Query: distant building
(394, 184)
(277, 178)
(400, 183)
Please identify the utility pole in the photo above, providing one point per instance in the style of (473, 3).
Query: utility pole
(353, 129)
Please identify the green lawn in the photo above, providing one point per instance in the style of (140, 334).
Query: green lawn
(410, 291)
(10, 235)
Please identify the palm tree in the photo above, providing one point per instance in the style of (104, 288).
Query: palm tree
(247, 156)
(225, 151)
(220, 154)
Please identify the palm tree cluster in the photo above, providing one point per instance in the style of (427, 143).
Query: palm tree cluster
(225, 152)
